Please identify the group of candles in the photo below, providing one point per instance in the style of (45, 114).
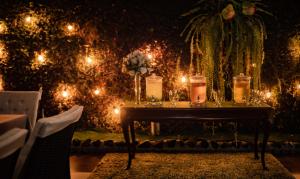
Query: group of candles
(197, 89)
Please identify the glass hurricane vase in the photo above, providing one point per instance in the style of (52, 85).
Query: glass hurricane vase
(137, 88)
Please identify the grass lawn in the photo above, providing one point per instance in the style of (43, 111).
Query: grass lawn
(100, 134)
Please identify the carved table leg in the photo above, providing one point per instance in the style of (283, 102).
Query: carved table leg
(256, 128)
(132, 133)
(267, 127)
(127, 140)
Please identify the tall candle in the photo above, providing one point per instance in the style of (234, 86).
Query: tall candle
(241, 88)
(154, 88)
(197, 89)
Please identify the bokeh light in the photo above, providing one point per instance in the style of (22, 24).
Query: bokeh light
(3, 27)
(65, 93)
(70, 29)
(3, 52)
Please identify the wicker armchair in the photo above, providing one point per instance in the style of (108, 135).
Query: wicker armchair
(46, 154)
(10, 143)
(21, 102)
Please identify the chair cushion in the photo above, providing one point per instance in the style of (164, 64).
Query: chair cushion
(11, 141)
(21, 102)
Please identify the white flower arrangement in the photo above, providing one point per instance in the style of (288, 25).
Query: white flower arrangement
(136, 62)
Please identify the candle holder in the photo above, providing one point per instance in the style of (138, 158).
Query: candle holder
(241, 89)
(154, 89)
(197, 90)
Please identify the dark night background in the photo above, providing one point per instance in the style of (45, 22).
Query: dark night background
(127, 24)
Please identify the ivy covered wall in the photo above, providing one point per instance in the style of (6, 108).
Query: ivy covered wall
(109, 30)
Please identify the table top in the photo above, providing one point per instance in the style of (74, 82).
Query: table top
(9, 121)
(184, 111)
(187, 105)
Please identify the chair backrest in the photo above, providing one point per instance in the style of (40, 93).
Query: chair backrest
(10, 143)
(46, 154)
(21, 102)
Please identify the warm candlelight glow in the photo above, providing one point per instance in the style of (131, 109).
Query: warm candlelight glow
(70, 28)
(253, 65)
(298, 87)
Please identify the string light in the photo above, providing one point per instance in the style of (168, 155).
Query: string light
(183, 79)
(268, 94)
(41, 58)
(28, 19)
(65, 94)
(70, 28)
(89, 60)
(3, 27)
(116, 110)
(3, 53)
(253, 65)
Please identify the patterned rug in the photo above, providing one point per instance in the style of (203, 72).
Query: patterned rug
(208, 165)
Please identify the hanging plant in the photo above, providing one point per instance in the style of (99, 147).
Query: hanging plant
(230, 35)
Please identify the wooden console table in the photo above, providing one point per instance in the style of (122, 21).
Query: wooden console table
(184, 112)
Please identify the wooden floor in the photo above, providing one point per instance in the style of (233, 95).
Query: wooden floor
(83, 165)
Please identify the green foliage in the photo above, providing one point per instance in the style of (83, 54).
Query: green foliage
(226, 38)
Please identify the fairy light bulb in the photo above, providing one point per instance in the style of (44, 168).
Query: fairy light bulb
(89, 60)
(268, 94)
(70, 28)
(65, 94)
(41, 58)
(116, 110)
(28, 19)
(183, 79)
(253, 65)
(97, 91)
(150, 56)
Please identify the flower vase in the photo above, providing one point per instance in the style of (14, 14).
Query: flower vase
(137, 88)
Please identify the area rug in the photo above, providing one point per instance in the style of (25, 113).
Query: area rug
(208, 165)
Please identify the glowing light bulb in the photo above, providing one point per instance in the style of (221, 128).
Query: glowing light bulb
(117, 110)
(89, 60)
(2, 29)
(65, 94)
(268, 94)
(28, 19)
(150, 56)
(183, 79)
(253, 65)
(97, 91)
(41, 58)
(70, 27)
